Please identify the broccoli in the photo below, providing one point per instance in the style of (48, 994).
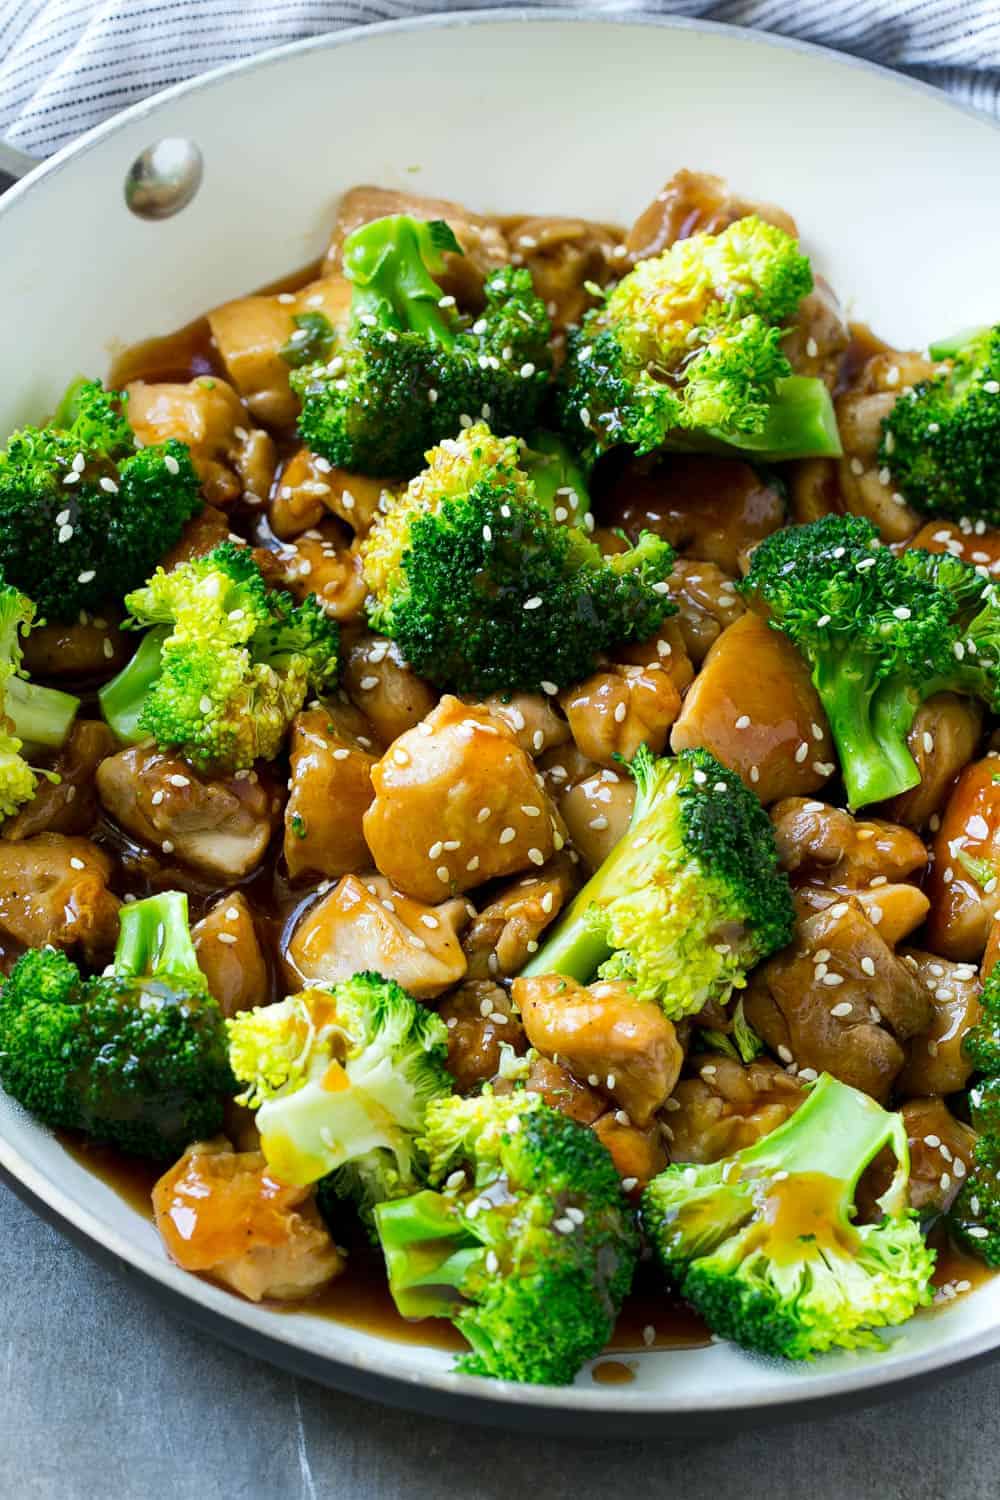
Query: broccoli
(685, 353)
(135, 1057)
(340, 1080)
(762, 1244)
(688, 901)
(528, 1244)
(84, 512)
(32, 718)
(941, 441)
(473, 571)
(881, 633)
(974, 1217)
(226, 665)
(410, 371)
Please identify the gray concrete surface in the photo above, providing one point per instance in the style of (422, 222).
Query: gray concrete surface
(104, 1396)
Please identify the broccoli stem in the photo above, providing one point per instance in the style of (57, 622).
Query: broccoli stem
(874, 758)
(42, 717)
(388, 261)
(551, 466)
(428, 1254)
(155, 938)
(122, 698)
(800, 423)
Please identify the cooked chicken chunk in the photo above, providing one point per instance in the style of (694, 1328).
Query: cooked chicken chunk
(221, 827)
(839, 1000)
(562, 255)
(329, 790)
(480, 1019)
(666, 647)
(710, 509)
(506, 932)
(533, 721)
(619, 708)
(819, 337)
(382, 685)
(814, 490)
(251, 333)
(594, 804)
(365, 924)
(94, 647)
(865, 485)
(230, 955)
(54, 890)
(941, 1151)
(728, 1106)
(320, 562)
(309, 488)
(963, 883)
(826, 846)
(896, 910)
(562, 1091)
(220, 1213)
(638, 1155)
(973, 542)
(70, 804)
(695, 203)
(201, 535)
(943, 738)
(625, 1048)
(706, 601)
(753, 706)
(936, 1062)
(457, 803)
(232, 458)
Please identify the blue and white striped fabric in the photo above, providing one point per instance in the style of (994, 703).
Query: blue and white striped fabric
(67, 64)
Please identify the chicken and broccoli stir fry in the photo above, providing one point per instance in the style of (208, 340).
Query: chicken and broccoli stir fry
(500, 779)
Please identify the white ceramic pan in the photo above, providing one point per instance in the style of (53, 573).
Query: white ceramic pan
(896, 192)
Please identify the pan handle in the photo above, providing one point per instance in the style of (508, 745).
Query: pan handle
(14, 165)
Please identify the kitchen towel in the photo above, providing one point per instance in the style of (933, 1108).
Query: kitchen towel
(67, 64)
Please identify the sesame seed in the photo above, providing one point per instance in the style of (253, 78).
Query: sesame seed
(442, 874)
(492, 1263)
(945, 1182)
(341, 754)
(868, 966)
(563, 1225)
(229, 938)
(178, 780)
(156, 798)
(843, 1009)
(823, 620)
(629, 1184)
(785, 1055)
(621, 709)
(77, 864)
(823, 767)
(167, 846)
(958, 1167)
(813, 807)
(802, 752)
(533, 603)
(755, 774)
(65, 532)
(550, 690)
(367, 683)
(743, 722)
(507, 836)
(536, 856)
(832, 980)
(878, 880)
(527, 370)
(991, 387)
(976, 1232)
(451, 845)
(537, 740)
(649, 1335)
(171, 465)
(108, 485)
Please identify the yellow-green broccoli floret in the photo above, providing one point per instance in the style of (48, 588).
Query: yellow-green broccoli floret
(32, 718)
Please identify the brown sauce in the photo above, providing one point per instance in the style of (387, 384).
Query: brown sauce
(612, 1372)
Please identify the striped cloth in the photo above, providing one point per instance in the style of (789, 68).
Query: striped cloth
(65, 65)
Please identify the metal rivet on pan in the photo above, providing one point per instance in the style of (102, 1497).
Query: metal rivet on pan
(164, 178)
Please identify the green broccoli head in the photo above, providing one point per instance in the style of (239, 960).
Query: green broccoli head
(32, 718)
(340, 1079)
(485, 584)
(941, 440)
(410, 371)
(688, 901)
(136, 1057)
(762, 1243)
(226, 665)
(527, 1245)
(84, 513)
(974, 1217)
(881, 633)
(686, 353)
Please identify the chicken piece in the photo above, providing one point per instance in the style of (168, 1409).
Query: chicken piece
(457, 802)
(666, 647)
(943, 738)
(94, 647)
(619, 708)
(754, 707)
(936, 1061)
(379, 681)
(594, 804)
(505, 933)
(963, 883)
(973, 542)
(533, 721)
(54, 891)
(562, 255)
(365, 924)
(896, 910)
(221, 826)
(624, 1047)
(712, 509)
(941, 1154)
(638, 1155)
(251, 332)
(232, 458)
(728, 1106)
(70, 804)
(865, 485)
(219, 1212)
(480, 1019)
(838, 1000)
(816, 342)
(562, 1091)
(230, 955)
(707, 602)
(694, 203)
(329, 790)
(320, 562)
(814, 490)
(201, 535)
(483, 242)
(826, 846)
(310, 487)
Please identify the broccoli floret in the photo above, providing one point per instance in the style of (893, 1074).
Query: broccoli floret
(688, 901)
(881, 633)
(84, 513)
(410, 370)
(32, 718)
(478, 573)
(685, 353)
(225, 667)
(762, 1243)
(135, 1057)
(974, 1217)
(941, 441)
(340, 1080)
(528, 1245)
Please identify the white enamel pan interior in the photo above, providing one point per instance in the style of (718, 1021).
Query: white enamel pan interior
(896, 193)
